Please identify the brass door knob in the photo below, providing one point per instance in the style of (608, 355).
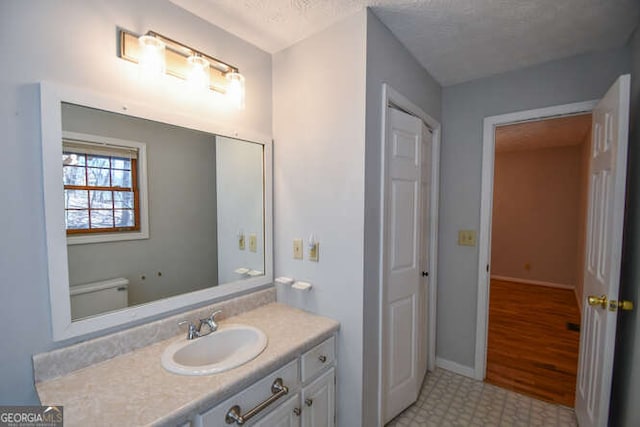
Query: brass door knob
(625, 305)
(601, 300)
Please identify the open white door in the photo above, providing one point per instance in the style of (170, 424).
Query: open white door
(607, 178)
(402, 328)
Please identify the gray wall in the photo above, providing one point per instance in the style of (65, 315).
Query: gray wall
(625, 410)
(181, 252)
(464, 107)
(387, 62)
(74, 42)
(319, 138)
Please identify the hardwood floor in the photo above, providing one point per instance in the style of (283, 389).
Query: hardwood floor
(530, 350)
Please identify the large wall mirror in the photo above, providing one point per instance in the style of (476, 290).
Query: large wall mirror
(148, 212)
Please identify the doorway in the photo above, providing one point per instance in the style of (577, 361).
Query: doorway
(486, 205)
(538, 229)
(601, 273)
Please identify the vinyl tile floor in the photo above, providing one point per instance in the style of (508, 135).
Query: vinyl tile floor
(451, 400)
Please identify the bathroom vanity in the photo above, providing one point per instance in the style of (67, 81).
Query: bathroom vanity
(119, 379)
(134, 389)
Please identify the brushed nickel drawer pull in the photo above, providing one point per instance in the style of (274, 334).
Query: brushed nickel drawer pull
(308, 402)
(234, 413)
(322, 358)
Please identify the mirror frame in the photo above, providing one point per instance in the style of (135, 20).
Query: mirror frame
(51, 98)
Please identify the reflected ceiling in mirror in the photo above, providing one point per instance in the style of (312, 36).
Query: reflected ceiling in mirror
(152, 216)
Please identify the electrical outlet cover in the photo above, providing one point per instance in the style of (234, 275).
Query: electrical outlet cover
(314, 252)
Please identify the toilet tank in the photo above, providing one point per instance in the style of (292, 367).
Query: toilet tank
(98, 297)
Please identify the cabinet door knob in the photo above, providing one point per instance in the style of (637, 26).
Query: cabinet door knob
(308, 402)
(322, 358)
(297, 411)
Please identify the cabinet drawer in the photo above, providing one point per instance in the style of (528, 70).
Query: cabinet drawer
(284, 415)
(320, 356)
(253, 395)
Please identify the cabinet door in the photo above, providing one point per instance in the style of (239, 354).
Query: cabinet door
(318, 402)
(254, 395)
(285, 415)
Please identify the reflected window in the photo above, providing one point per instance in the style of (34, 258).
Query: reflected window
(101, 191)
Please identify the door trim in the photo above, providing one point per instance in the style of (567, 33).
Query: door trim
(391, 97)
(486, 203)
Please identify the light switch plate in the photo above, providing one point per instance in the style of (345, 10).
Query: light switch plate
(297, 248)
(253, 242)
(241, 242)
(467, 237)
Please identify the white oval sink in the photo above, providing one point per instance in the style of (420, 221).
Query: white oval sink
(227, 348)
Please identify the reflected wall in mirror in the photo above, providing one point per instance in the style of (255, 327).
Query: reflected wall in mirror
(148, 212)
(204, 193)
(239, 172)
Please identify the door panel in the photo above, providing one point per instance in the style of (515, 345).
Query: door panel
(402, 317)
(402, 352)
(604, 248)
(403, 201)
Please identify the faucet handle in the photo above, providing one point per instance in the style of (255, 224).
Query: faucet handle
(211, 321)
(192, 330)
(214, 314)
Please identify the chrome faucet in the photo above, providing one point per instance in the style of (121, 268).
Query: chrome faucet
(194, 331)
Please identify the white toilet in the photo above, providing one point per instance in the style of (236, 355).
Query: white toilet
(93, 298)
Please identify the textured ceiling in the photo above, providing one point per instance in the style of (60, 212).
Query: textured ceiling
(455, 40)
(551, 133)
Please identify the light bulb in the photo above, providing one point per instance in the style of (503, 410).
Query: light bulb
(198, 74)
(235, 89)
(151, 59)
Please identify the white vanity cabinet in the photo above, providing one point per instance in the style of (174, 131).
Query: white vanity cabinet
(309, 401)
(318, 401)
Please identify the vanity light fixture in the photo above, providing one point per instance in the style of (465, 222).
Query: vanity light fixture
(198, 73)
(235, 89)
(158, 55)
(151, 57)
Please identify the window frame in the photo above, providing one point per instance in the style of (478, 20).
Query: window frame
(139, 175)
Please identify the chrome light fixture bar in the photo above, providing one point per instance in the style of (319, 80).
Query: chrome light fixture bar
(161, 54)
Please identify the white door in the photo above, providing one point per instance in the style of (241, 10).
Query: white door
(401, 259)
(425, 241)
(285, 415)
(607, 178)
(318, 402)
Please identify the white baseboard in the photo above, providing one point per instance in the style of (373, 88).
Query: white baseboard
(533, 282)
(455, 367)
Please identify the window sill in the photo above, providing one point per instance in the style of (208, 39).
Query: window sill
(107, 237)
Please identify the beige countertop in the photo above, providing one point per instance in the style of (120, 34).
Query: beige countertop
(134, 388)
